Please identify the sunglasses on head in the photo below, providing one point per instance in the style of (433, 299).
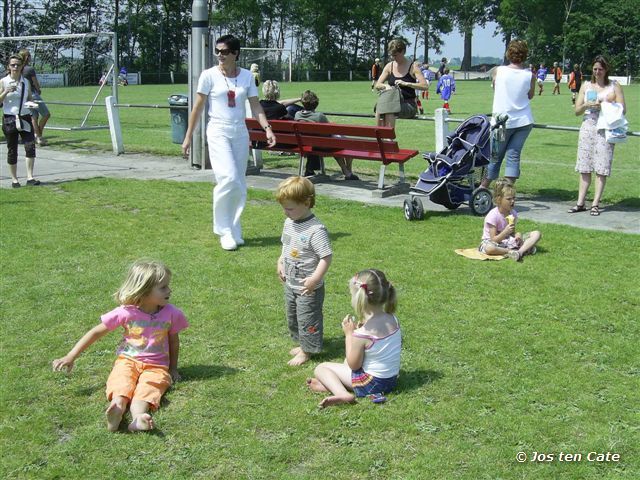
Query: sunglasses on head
(224, 51)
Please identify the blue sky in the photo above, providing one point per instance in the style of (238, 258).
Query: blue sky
(483, 44)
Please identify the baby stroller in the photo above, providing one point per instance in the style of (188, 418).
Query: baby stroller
(453, 176)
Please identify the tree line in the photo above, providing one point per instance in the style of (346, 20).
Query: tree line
(343, 34)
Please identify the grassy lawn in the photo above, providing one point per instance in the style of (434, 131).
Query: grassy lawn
(498, 358)
(548, 157)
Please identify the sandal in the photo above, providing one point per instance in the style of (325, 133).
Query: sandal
(577, 208)
(595, 210)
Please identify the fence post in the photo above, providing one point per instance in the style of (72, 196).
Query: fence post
(114, 125)
(351, 75)
(442, 128)
(307, 75)
(329, 75)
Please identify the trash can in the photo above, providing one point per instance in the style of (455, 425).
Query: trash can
(179, 117)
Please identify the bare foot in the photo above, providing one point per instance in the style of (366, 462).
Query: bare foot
(141, 423)
(300, 358)
(316, 385)
(336, 400)
(295, 351)
(114, 416)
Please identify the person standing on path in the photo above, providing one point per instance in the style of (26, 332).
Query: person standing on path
(227, 87)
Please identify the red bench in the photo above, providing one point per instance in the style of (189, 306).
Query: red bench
(334, 140)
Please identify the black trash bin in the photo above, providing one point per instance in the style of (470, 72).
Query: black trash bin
(179, 117)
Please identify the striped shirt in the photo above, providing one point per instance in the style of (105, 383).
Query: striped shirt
(304, 243)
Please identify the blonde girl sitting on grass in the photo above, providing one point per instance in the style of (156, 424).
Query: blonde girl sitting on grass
(147, 362)
(373, 345)
(499, 236)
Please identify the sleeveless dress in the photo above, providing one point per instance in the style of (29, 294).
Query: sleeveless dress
(595, 154)
(408, 107)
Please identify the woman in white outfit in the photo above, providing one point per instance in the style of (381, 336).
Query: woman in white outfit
(227, 87)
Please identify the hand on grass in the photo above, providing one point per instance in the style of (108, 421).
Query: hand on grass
(63, 363)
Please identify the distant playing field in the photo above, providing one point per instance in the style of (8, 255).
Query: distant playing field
(548, 157)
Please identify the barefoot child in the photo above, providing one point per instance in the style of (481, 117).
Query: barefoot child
(147, 360)
(499, 236)
(305, 259)
(372, 346)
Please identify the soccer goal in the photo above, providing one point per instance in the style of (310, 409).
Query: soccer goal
(76, 73)
(270, 62)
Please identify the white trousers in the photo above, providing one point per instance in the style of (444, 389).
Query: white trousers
(228, 153)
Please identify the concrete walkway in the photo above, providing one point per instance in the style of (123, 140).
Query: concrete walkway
(55, 166)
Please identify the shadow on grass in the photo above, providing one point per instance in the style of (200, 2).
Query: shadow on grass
(332, 350)
(411, 380)
(204, 372)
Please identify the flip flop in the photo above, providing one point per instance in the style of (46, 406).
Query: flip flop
(577, 208)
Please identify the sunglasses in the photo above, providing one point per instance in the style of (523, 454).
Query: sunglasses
(15, 65)
(224, 51)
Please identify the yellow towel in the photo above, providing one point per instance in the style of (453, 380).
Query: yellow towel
(475, 254)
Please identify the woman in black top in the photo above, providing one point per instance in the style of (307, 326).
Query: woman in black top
(404, 74)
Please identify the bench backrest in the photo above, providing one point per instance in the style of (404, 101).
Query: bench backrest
(328, 136)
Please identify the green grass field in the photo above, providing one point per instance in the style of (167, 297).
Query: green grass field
(498, 357)
(548, 158)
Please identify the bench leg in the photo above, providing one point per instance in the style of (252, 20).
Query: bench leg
(401, 168)
(381, 176)
(301, 167)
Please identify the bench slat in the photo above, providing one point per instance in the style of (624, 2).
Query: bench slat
(312, 128)
(327, 142)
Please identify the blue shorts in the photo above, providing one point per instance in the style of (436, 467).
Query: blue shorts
(364, 384)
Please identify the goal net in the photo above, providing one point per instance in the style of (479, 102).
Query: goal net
(273, 63)
(70, 69)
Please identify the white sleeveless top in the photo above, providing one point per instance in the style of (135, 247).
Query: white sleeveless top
(511, 96)
(10, 105)
(382, 357)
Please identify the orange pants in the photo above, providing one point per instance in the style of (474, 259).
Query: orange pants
(138, 381)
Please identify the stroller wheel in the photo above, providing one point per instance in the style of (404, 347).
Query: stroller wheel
(409, 210)
(481, 201)
(418, 208)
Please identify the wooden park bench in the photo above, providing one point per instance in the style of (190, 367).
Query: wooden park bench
(336, 140)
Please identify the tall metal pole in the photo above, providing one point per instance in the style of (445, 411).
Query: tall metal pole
(199, 32)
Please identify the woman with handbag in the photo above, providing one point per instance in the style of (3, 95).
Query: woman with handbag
(16, 119)
(398, 97)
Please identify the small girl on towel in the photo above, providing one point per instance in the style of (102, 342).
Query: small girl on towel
(499, 236)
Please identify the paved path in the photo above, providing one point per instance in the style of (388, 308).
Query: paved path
(54, 166)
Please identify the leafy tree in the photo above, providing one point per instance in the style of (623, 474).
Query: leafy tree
(429, 20)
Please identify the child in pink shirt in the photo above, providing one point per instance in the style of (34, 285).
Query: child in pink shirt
(147, 362)
(499, 236)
